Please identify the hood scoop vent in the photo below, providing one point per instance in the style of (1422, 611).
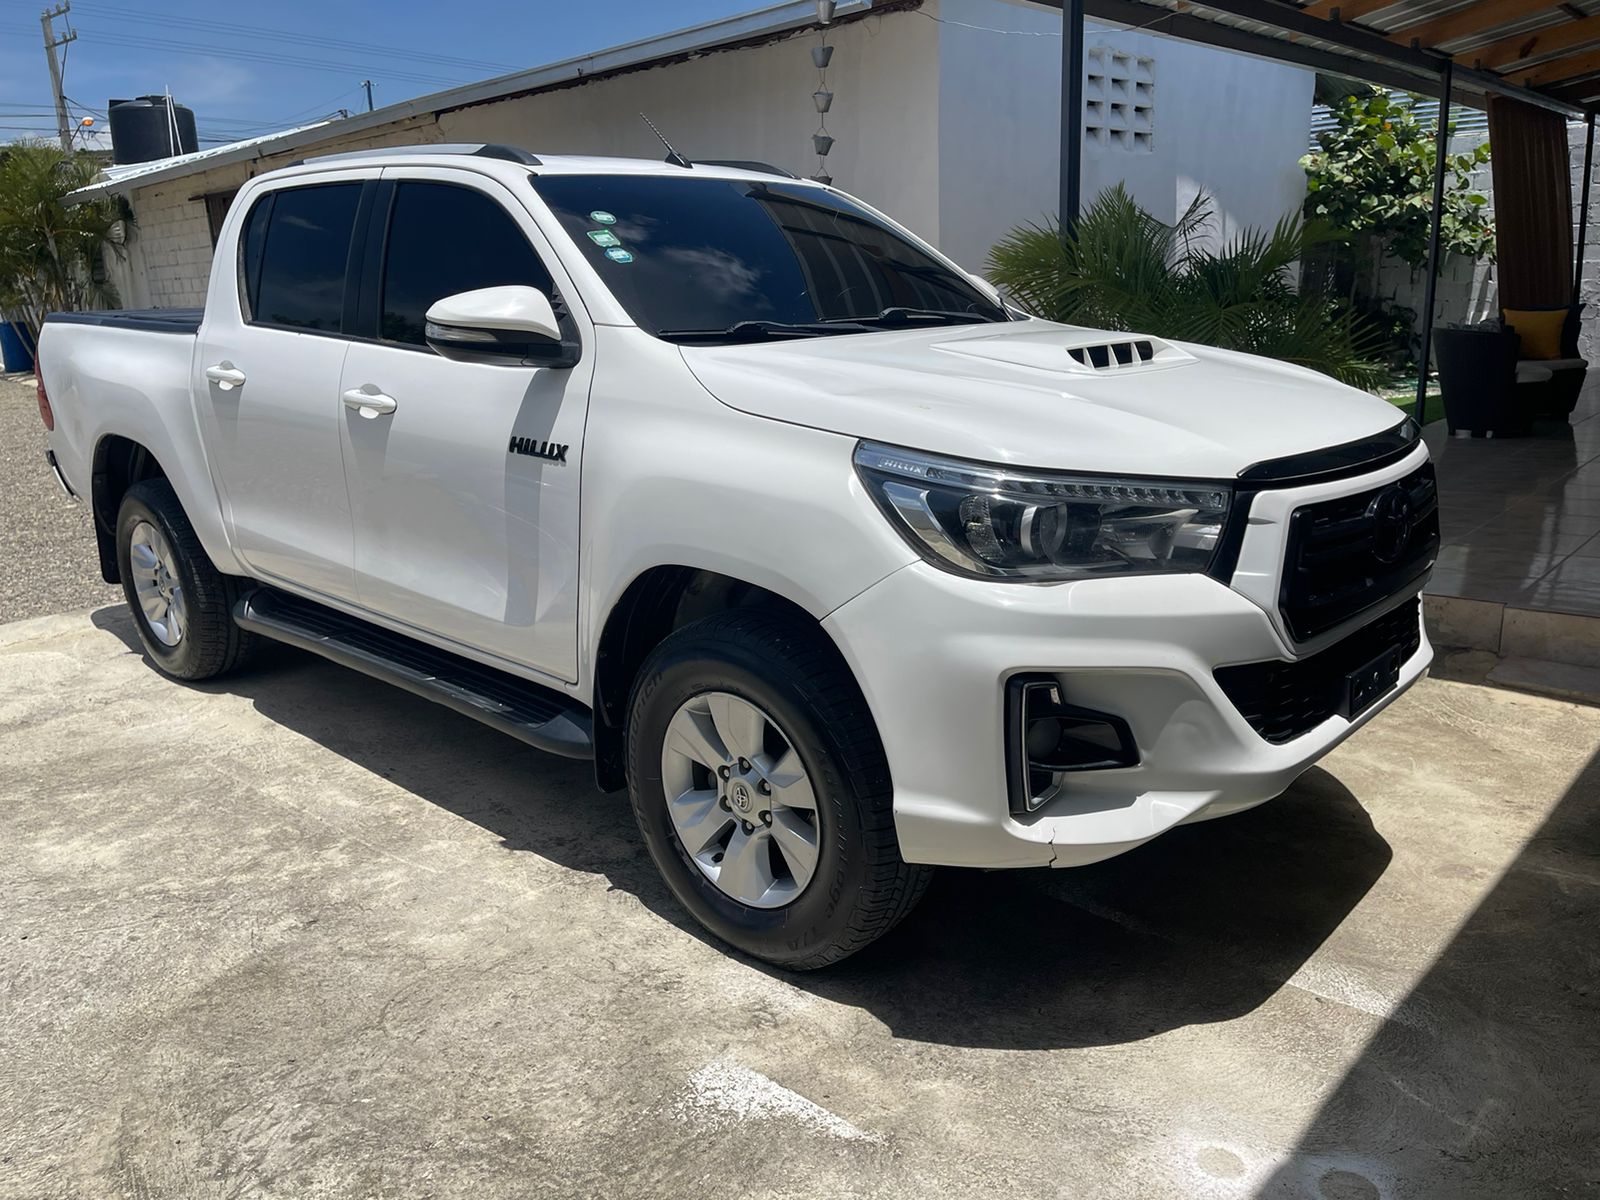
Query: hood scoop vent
(1113, 356)
(1075, 351)
(1107, 355)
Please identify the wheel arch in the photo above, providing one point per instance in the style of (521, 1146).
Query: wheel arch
(657, 602)
(118, 463)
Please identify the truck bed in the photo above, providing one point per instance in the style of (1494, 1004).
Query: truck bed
(149, 320)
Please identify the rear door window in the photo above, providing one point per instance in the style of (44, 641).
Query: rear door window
(445, 239)
(296, 245)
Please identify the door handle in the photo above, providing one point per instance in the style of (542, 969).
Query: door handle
(226, 376)
(370, 404)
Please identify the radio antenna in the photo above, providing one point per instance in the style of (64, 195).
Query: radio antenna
(673, 156)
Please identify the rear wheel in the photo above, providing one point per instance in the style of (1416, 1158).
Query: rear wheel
(181, 604)
(762, 791)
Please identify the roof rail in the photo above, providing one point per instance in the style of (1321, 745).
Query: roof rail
(745, 164)
(475, 149)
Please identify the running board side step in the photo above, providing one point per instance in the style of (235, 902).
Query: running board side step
(540, 716)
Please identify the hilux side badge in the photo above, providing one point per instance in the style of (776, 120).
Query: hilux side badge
(555, 452)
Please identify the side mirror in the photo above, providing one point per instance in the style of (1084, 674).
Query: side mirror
(514, 325)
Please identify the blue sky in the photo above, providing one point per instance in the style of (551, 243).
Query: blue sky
(248, 69)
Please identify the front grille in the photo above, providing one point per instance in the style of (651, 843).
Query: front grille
(1282, 700)
(1346, 555)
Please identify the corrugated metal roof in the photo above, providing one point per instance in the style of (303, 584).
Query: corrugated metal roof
(114, 177)
(1402, 45)
(1468, 121)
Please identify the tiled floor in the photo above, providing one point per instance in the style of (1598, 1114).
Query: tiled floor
(1521, 517)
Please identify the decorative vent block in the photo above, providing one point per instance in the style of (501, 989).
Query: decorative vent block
(1119, 100)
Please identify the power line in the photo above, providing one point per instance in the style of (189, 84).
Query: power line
(291, 37)
(220, 129)
(206, 50)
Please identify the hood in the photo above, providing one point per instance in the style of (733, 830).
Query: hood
(1038, 394)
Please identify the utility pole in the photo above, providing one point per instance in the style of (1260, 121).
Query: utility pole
(367, 83)
(51, 44)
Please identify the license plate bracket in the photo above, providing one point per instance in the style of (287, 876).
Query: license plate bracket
(1370, 682)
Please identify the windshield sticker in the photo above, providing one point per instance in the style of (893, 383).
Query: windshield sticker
(601, 217)
(618, 255)
(603, 237)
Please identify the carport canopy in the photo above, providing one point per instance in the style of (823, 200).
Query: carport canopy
(1539, 52)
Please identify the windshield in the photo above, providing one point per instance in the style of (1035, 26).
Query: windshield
(739, 259)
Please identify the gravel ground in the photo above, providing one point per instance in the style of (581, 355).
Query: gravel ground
(46, 541)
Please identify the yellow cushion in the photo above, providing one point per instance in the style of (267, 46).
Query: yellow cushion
(1540, 331)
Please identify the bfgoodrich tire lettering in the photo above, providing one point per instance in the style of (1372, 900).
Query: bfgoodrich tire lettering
(788, 670)
(208, 643)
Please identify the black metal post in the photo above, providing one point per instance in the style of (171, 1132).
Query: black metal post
(1441, 151)
(1583, 211)
(1071, 114)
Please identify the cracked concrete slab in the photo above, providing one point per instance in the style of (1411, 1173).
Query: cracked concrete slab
(296, 934)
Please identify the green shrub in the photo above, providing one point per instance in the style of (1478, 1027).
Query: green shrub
(49, 250)
(1123, 269)
(1373, 174)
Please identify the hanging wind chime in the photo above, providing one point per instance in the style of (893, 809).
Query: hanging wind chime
(820, 56)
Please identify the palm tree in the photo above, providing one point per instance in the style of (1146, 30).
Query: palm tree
(1123, 269)
(49, 249)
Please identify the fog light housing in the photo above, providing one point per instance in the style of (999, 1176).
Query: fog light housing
(1048, 739)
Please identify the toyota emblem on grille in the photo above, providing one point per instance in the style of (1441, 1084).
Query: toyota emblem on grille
(1390, 512)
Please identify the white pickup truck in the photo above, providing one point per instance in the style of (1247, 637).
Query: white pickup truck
(728, 482)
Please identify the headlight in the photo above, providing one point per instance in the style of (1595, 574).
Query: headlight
(997, 522)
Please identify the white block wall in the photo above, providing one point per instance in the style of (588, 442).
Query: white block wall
(166, 262)
(1589, 289)
(1225, 124)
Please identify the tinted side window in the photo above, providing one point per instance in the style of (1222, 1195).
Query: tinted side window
(445, 239)
(302, 261)
(252, 241)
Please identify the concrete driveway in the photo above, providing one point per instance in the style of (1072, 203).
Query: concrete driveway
(298, 934)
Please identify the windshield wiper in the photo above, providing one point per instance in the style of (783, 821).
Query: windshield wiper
(760, 331)
(900, 315)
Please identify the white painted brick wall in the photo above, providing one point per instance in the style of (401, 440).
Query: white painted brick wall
(1589, 288)
(167, 260)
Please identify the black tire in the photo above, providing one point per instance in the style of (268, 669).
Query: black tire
(211, 644)
(862, 887)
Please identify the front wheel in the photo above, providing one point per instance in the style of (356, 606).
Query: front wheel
(761, 788)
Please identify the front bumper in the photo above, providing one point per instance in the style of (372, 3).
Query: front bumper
(933, 652)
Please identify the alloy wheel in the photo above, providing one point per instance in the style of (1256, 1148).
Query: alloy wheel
(157, 583)
(740, 799)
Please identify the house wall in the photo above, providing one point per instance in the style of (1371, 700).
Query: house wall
(1226, 124)
(755, 103)
(886, 153)
(1589, 289)
(166, 262)
(941, 122)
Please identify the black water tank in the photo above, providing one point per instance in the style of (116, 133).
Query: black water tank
(144, 128)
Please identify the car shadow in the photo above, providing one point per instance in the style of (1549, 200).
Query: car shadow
(1203, 924)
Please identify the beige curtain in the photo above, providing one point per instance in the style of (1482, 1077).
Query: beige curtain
(1532, 204)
